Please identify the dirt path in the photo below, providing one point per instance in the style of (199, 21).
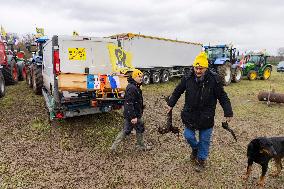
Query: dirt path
(75, 153)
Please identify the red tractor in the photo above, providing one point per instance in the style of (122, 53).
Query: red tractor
(9, 63)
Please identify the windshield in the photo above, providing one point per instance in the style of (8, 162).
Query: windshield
(215, 53)
(254, 59)
(281, 64)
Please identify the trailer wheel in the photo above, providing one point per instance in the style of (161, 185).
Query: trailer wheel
(156, 77)
(237, 76)
(37, 80)
(146, 78)
(29, 77)
(10, 72)
(165, 76)
(225, 73)
(2, 85)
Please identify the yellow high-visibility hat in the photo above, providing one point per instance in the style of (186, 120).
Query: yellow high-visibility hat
(136, 73)
(201, 60)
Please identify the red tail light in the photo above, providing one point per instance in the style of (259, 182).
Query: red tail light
(59, 115)
(56, 62)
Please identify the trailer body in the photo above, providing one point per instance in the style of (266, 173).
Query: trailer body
(159, 58)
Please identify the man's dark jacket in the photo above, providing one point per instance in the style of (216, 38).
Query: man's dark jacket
(201, 99)
(133, 105)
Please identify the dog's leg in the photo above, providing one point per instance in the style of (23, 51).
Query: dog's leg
(262, 177)
(278, 166)
(249, 169)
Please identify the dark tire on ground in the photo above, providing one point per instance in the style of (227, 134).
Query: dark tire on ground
(225, 73)
(37, 80)
(237, 76)
(252, 75)
(10, 72)
(21, 70)
(146, 78)
(156, 77)
(266, 73)
(2, 85)
(29, 80)
(165, 76)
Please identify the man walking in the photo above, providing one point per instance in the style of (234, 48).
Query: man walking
(202, 90)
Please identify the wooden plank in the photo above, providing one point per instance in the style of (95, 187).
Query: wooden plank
(73, 82)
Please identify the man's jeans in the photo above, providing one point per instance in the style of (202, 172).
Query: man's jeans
(202, 145)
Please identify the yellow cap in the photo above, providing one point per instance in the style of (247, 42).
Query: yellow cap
(136, 73)
(201, 60)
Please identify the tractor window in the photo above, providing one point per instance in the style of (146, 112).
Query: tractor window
(254, 59)
(215, 53)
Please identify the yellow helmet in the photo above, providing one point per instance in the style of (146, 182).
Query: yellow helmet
(136, 73)
(201, 60)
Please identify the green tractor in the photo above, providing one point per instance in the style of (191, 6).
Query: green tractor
(256, 66)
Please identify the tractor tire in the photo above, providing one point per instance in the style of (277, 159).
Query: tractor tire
(10, 72)
(165, 76)
(252, 75)
(225, 73)
(156, 77)
(29, 80)
(146, 78)
(37, 80)
(266, 73)
(2, 85)
(237, 76)
(22, 71)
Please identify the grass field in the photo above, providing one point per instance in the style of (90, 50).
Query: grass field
(74, 153)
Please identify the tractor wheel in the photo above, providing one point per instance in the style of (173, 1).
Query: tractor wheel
(29, 80)
(266, 73)
(165, 76)
(225, 73)
(146, 78)
(2, 85)
(156, 77)
(22, 71)
(37, 80)
(10, 72)
(237, 76)
(252, 75)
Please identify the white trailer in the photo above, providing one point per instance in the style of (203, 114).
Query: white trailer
(159, 58)
(81, 75)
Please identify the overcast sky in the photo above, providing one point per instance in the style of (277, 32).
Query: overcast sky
(248, 24)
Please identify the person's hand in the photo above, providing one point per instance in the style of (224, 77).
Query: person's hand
(169, 109)
(228, 119)
(134, 121)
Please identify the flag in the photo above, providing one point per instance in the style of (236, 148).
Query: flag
(40, 32)
(121, 60)
(3, 33)
(75, 33)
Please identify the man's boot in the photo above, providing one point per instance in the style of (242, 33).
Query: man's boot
(117, 140)
(140, 145)
(193, 155)
(200, 166)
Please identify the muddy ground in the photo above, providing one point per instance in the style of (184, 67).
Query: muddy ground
(74, 153)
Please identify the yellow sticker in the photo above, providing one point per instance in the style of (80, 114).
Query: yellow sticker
(77, 53)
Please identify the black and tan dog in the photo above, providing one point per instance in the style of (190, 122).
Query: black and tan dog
(261, 150)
